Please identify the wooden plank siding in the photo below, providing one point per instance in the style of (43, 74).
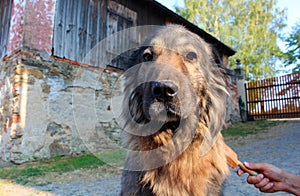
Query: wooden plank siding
(5, 17)
(80, 25)
(277, 97)
(119, 17)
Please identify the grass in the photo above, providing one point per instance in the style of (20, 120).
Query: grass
(22, 174)
(249, 128)
(115, 158)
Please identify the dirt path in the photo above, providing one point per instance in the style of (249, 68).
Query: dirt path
(279, 146)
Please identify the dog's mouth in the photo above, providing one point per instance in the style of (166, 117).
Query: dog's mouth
(156, 101)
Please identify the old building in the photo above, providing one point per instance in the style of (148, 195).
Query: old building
(60, 60)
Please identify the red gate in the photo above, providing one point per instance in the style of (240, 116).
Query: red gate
(277, 97)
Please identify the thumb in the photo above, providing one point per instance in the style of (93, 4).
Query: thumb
(254, 166)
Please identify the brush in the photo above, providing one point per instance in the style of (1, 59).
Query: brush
(233, 161)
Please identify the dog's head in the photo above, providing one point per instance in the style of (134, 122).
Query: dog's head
(172, 78)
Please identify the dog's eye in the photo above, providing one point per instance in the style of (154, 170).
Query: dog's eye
(147, 56)
(191, 56)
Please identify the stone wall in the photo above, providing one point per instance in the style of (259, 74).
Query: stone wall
(232, 105)
(235, 86)
(51, 107)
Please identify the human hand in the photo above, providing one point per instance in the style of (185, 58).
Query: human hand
(271, 178)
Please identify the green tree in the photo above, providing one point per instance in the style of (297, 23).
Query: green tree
(251, 27)
(293, 47)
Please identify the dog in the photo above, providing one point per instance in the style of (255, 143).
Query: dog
(173, 113)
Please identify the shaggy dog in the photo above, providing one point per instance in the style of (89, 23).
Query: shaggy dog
(173, 111)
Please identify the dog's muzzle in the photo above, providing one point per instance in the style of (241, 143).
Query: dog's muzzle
(155, 100)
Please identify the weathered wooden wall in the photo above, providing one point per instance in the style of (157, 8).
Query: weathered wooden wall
(5, 16)
(81, 25)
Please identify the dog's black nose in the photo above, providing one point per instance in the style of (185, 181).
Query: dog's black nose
(164, 89)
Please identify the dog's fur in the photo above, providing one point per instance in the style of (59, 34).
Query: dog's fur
(190, 159)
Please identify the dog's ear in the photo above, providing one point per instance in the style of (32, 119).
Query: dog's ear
(217, 58)
(218, 89)
(218, 61)
(135, 58)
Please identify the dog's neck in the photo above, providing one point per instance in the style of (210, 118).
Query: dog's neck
(187, 172)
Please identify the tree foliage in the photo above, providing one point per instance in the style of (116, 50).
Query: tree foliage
(251, 27)
(292, 54)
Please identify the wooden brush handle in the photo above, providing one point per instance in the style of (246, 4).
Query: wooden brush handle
(245, 169)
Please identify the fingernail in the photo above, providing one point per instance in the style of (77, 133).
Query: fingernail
(246, 164)
(261, 176)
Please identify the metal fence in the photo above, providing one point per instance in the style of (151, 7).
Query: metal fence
(277, 97)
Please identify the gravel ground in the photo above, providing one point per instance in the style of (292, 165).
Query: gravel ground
(279, 146)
